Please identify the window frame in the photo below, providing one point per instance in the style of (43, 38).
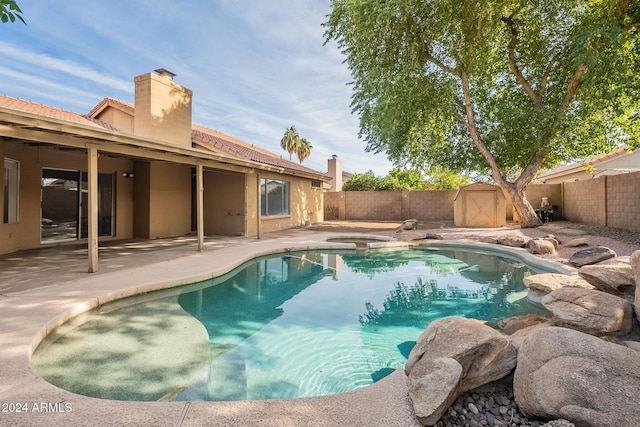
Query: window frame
(11, 191)
(272, 208)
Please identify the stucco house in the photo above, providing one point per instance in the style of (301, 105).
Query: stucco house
(140, 171)
(614, 163)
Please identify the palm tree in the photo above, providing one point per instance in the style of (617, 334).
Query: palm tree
(290, 141)
(304, 150)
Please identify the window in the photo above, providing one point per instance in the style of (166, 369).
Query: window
(316, 184)
(274, 197)
(11, 184)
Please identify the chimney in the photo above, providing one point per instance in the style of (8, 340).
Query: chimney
(162, 108)
(335, 172)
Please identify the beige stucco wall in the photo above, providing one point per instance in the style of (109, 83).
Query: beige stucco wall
(26, 233)
(224, 209)
(162, 110)
(118, 119)
(305, 204)
(162, 200)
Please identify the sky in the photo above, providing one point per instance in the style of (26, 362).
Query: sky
(255, 67)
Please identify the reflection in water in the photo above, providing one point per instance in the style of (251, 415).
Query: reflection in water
(302, 324)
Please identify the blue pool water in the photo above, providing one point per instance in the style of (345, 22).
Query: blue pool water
(294, 325)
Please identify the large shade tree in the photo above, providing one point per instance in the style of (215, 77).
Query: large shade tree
(502, 87)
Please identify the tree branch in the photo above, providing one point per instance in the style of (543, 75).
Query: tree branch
(429, 57)
(569, 96)
(547, 71)
(538, 159)
(511, 48)
(473, 130)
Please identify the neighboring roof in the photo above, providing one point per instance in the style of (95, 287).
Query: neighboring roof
(18, 104)
(582, 165)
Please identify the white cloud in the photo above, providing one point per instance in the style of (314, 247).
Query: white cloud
(70, 68)
(255, 67)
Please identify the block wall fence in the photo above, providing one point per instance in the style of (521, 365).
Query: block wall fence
(612, 201)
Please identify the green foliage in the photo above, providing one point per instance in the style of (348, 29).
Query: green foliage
(293, 143)
(10, 11)
(304, 150)
(408, 179)
(444, 179)
(362, 182)
(396, 180)
(290, 141)
(492, 86)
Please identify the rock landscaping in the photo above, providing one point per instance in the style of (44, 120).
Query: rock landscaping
(580, 366)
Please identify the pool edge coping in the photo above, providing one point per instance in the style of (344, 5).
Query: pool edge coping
(393, 381)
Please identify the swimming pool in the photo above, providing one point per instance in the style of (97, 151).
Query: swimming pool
(297, 324)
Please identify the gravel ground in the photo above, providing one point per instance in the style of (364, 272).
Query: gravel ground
(493, 403)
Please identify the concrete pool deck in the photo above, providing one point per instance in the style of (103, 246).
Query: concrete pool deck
(41, 289)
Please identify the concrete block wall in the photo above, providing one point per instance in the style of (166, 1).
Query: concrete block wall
(389, 205)
(623, 201)
(432, 204)
(332, 203)
(373, 205)
(584, 201)
(611, 201)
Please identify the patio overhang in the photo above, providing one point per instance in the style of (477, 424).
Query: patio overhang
(35, 129)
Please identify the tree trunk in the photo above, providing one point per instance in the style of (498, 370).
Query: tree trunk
(528, 216)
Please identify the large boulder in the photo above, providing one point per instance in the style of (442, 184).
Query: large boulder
(563, 373)
(613, 278)
(430, 388)
(589, 311)
(512, 240)
(542, 246)
(635, 267)
(510, 325)
(577, 242)
(408, 224)
(548, 282)
(591, 256)
(434, 380)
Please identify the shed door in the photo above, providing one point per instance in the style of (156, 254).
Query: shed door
(480, 209)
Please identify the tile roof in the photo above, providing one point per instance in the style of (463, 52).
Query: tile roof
(218, 141)
(17, 104)
(112, 102)
(204, 137)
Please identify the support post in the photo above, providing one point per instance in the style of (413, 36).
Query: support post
(200, 205)
(258, 204)
(92, 211)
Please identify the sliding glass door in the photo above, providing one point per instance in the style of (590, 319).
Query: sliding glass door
(65, 205)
